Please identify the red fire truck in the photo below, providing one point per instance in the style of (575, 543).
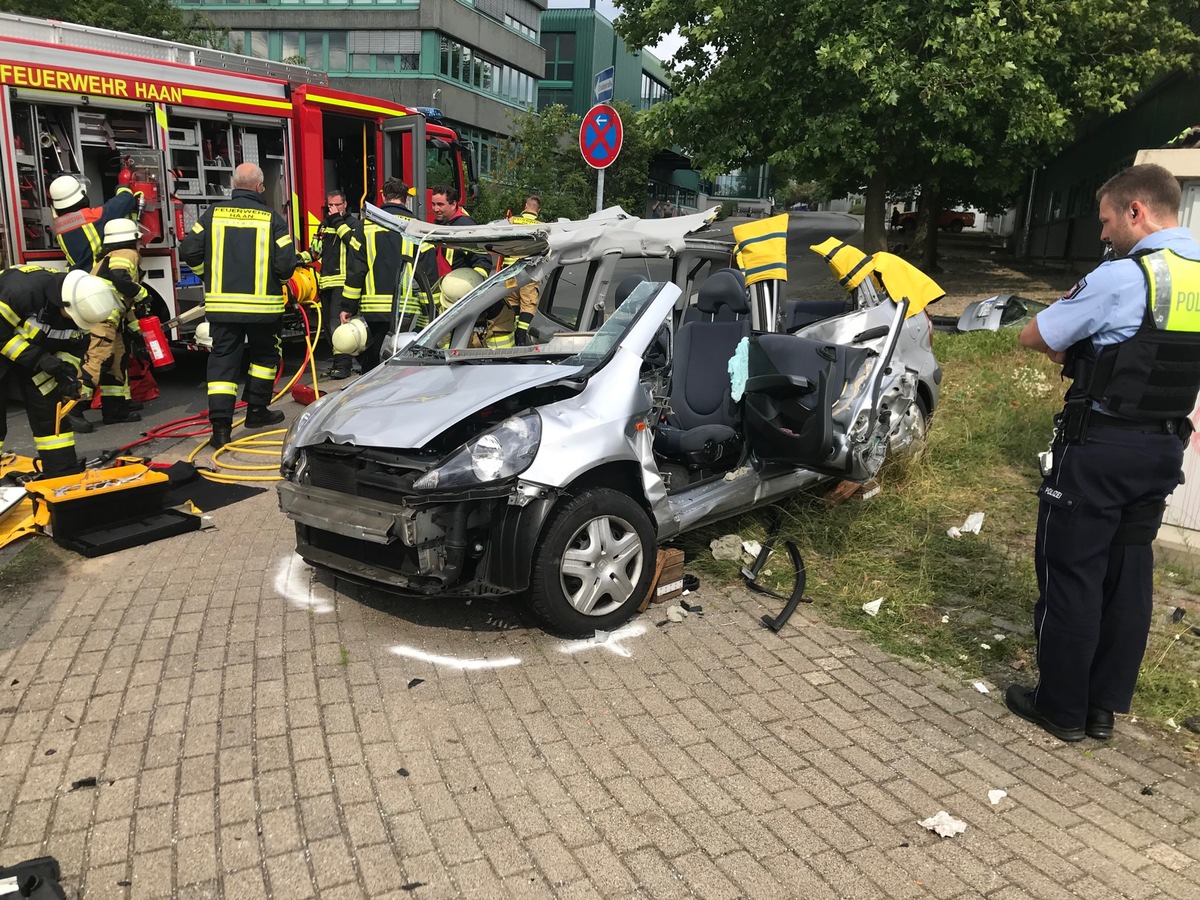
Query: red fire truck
(174, 120)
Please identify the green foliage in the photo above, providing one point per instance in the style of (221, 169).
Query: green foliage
(151, 18)
(858, 209)
(728, 208)
(794, 192)
(543, 156)
(959, 97)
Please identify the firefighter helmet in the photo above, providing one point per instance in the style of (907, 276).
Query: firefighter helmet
(120, 231)
(457, 283)
(203, 336)
(87, 299)
(66, 191)
(351, 337)
(302, 286)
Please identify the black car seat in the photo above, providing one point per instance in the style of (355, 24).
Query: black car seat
(625, 287)
(791, 386)
(798, 313)
(699, 311)
(701, 428)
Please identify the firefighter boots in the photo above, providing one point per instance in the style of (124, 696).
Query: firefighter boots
(222, 434)
(261, 417)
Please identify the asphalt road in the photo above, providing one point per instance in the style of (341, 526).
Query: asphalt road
(182, 389)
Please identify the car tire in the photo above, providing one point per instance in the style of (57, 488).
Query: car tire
(908, 440)
(594, 563)
(956, 226)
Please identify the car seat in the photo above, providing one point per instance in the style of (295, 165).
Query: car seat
(798, 313)
(701, 428)
(723, 313)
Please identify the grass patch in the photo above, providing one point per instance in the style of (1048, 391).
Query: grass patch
(31, 564)
(995, 415)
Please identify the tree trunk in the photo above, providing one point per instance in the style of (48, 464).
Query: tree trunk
(874, 223)
(927, 219)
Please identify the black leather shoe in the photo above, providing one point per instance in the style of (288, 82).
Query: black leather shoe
(1099, 723)
(135, 406)
(337, 373)
(261, 417)
(78, 424)
(121, 417)
(222, 434)
(1020, 703)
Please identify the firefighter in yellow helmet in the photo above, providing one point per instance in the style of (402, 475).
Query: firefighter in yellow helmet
(525, 298)
(244, 253)
(105, 366)
(45, 317)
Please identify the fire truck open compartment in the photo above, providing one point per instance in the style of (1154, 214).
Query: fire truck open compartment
(348, 148)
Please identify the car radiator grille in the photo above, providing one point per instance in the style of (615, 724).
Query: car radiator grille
(348, 474)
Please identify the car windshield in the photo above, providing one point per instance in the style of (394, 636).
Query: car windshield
(455, 336)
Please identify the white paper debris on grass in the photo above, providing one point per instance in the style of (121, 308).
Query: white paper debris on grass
(953, 532)
(971, 526)
(945, 620)
(944, 824)
(752, 547)
(986, 646)
(872, 608)
(981, 687)
(996, 796)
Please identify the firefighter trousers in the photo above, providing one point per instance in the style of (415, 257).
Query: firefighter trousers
(106, 365)
(263, 351)
(56, 451)
(1100, 508)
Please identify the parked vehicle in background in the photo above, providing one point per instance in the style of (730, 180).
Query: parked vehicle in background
(645, 408)
(950, 220)
(172, 121)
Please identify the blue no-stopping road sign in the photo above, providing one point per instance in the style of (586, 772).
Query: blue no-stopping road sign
(600, 136)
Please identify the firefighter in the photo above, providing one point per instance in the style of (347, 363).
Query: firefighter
(389, 278)
(444, 200)
(524, 298)
(105, 365)
(1129, 336)
(80, 229)
(244, 253)
(45, 317)
(339, 246)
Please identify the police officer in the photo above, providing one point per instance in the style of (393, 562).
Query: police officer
(45, 317)
(105, 364)
(525, 298)
(80, 229)
(242, 250)
(339, 246)
(1129, 337)
(389, 276)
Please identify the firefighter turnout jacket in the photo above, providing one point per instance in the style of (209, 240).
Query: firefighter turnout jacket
(451, 258)
(32, 323)
(80, 231)
(244, 253)
(104, 365)
(343, 260)
(389, 275)
(1155, 374)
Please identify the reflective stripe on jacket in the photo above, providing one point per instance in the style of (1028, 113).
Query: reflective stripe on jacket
(389, 270)
(80, 233)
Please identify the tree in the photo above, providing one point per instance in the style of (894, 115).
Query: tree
(151, 18)
(542, 156)
(955, 97)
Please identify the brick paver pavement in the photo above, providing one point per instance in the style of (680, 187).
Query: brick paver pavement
(256, 731)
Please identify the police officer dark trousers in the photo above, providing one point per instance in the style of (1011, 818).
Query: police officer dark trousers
(244, 253)
(1130, 342)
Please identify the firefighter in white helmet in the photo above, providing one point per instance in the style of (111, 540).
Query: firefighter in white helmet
(45, 318)
(106, 364)
(79, 228)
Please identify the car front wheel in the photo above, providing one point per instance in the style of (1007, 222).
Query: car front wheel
(594, 563)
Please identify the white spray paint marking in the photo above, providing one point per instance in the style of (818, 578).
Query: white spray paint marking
(294, 582)
(610, 641)
(453, 662)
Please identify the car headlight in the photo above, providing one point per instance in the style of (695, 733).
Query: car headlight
(504, 451)
(290, 451)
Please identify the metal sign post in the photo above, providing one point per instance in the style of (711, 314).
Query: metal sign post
(600, 136)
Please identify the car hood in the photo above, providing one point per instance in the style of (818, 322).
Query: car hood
(404, 407)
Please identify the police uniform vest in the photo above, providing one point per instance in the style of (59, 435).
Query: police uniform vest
(1155, 374)
(389, 270)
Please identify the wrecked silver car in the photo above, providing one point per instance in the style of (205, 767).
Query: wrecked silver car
(555, 469)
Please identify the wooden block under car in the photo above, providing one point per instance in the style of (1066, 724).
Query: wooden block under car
(669, 583)
(846, 490)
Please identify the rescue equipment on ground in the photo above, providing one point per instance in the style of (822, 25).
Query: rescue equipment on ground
(302, 286)
(351, 337)
(161, 356)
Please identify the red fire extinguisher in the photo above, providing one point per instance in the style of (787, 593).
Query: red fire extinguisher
(161, 356)
(149, 210)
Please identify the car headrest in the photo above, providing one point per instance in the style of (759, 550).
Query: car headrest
(626, 286)
(725, 287)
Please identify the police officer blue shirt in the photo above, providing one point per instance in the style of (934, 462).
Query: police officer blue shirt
(1109, 303)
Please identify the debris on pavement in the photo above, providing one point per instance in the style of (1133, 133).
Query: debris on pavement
(996, 796)
(414, 682)
(944, 824)
(88, 782)
(728, 546)
(1178, 614)
(981, 687)
(1148, 791)
(402, 772)
(872, 608)
(676, 613)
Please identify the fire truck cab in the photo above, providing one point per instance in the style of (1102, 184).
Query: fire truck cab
(172, 121)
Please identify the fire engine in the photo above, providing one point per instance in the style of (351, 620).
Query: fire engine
(172, 121)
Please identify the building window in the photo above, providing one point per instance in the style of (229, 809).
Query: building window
(336, 60)
(467, 65)
(560, 56)
(551, 96)
(653, 91)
